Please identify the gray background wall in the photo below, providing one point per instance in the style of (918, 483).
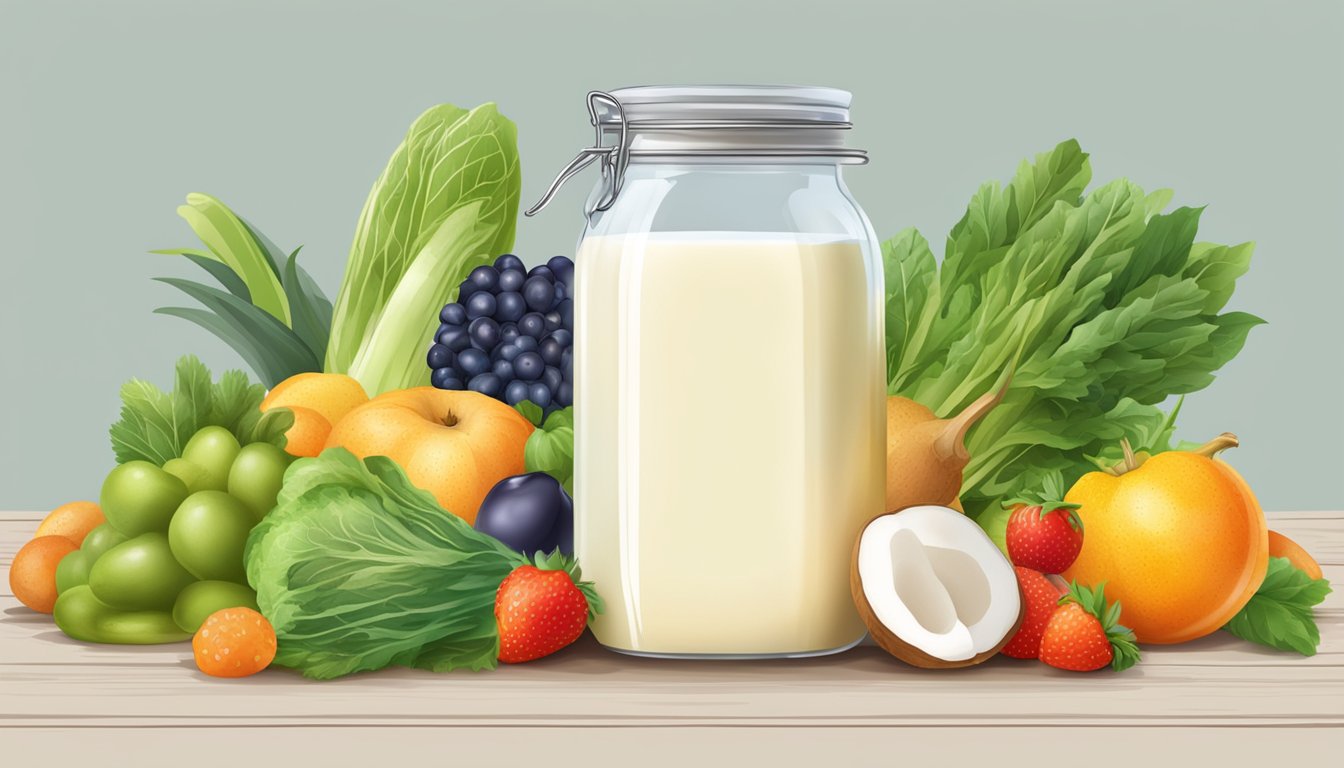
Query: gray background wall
(111, 112)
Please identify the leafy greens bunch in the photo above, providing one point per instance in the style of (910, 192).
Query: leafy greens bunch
(156, 425)
(446, 203)
(357, 569)
(1103, 304)
(550, 448)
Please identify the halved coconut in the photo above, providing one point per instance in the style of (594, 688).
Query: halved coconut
(933, 589)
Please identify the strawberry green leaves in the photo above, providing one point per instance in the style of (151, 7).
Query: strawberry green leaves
(1107, 304)
(1124, 648)
(1279, 615)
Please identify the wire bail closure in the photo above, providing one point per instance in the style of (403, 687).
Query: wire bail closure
(613, 159)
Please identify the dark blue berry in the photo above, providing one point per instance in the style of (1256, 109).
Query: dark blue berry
(512, 279)
(560, 294)
(553, 321)
(551, 350)
(443, 378)
(473, 361)
(480, 305)
(484, 333)
(455, 339)
(564, 394)
(509, 261)
(532, 324)
(507, 332)
(539, 393)
(529, 366)
(563, 337)
(486, 384)
(525, 344)
(509, 307)
(552, 378)
(508, 351)
(453, 314)
(515, 392)
(567, 364)
(484, 278)
(566, 310)
(440, 356)
(563, 269)
(539, 293)
(542, 271)
(503, 369)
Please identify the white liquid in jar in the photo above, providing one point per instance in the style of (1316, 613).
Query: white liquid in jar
(730, 439)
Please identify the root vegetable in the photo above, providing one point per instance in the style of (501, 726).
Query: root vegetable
(925, 454)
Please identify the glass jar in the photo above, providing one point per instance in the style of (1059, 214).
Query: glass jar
(729, 372)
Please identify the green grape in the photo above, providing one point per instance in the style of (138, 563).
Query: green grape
(195, 604)
(101, 539)
(208, 533)
(139, 574)
(139, 497)
(213, 449)
(256, 476)
(73, 570)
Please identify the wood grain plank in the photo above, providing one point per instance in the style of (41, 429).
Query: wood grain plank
(47, 680)
(666, 747)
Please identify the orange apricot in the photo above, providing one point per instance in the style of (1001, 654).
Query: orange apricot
(72, 520)
(309, 434)
(1282, 546)
(32, 575)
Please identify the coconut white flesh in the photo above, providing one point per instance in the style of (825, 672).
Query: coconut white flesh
(937, 581)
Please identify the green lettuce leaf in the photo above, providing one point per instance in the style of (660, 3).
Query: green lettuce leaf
(357, 570)
(1102, 304)
(393, 356)
(550, 448)
(155, 426)
(1279, 614)
(450, 158)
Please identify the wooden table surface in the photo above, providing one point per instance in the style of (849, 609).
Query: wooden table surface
(139, 705)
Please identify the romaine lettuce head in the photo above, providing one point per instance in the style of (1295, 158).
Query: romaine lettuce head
(357, 569)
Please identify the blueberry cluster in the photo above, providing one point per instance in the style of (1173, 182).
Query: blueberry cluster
(510, 334)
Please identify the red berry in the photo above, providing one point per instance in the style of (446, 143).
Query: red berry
(1082, 634)
(1041, 596)
(538, 611)
(1046, 539)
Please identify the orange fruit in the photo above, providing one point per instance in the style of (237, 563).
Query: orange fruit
(309, 434)
(32, 575)
(1282, 546)
(1180, 541)
(234, 642)
(72, 520)
(456, 445)
(332, 395)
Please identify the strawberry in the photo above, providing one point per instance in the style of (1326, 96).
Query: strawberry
(1041, 596)
(1082, 634)
(542, 608)
(1046, 534)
